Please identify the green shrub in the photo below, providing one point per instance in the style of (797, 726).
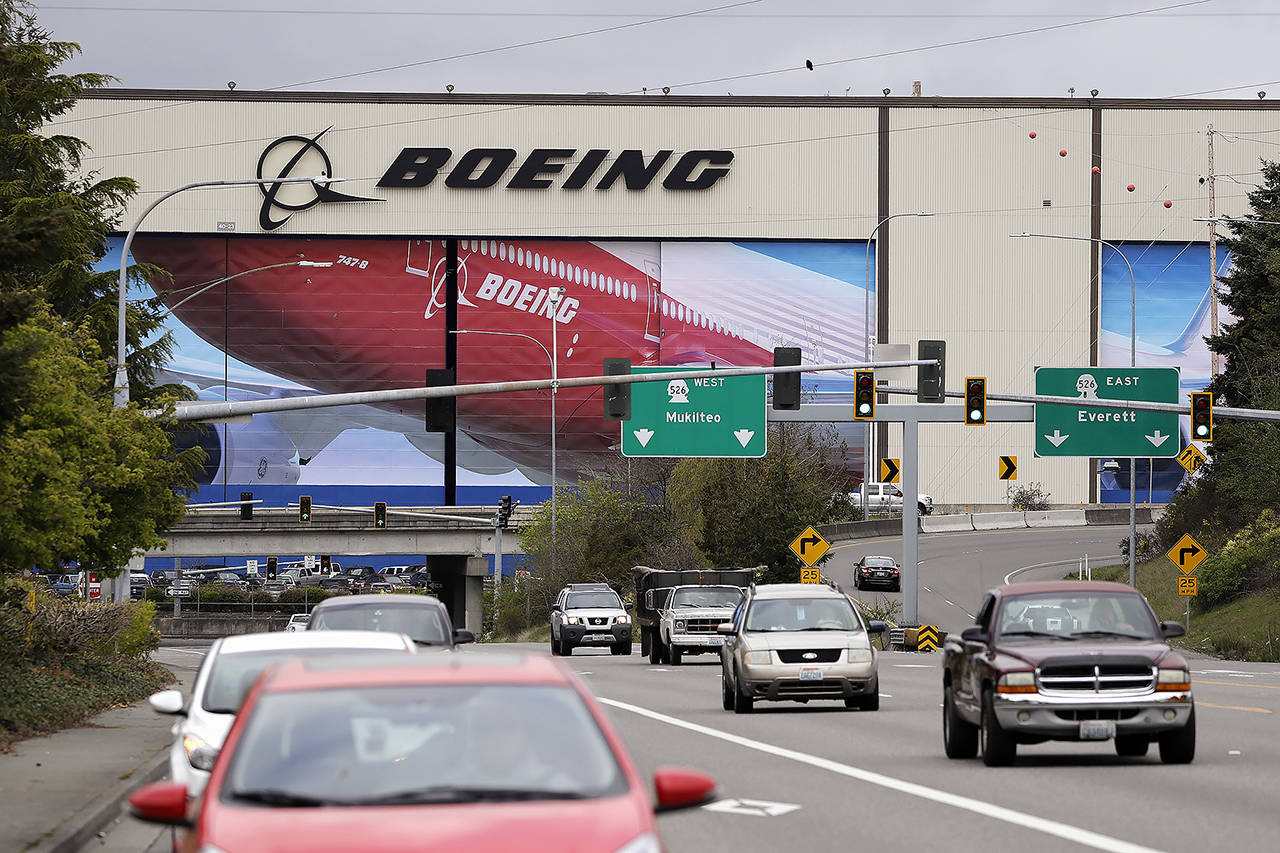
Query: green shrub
(155, 593)
(220, 597)
(1148, 547)
(1248, 562)
(1032, 497)
(308, 595)
(138, 637)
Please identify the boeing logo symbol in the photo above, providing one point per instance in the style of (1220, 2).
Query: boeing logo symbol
(271, 192)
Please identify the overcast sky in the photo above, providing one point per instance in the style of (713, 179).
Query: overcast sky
(745, 48)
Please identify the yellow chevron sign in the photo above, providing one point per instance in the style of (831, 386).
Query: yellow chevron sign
(927, 638)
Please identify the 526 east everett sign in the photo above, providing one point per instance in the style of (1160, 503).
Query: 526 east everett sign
(1086, 431)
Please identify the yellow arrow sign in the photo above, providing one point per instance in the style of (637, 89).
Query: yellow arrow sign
(1191, 458)
(1008, 467)
(809, 546)
(927, 638)
(890, 470)
(1187, 554)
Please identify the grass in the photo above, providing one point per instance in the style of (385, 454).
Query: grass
(37, 699)
(1245, 629)
(536, 634)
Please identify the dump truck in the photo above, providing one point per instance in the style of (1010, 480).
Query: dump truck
(677, 611)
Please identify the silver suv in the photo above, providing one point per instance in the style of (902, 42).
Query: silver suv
(590, 614)
(798, 642)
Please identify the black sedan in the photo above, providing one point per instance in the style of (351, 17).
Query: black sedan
(877, 571)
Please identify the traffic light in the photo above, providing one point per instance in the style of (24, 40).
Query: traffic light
(975, 400)
(326, 564)
(442, 412)
(304, 509)
(931, 382)
(505, 507)
(272, 564)
(786, 386)
(1202, 416)
(380, 515)
(246, 508)
(617, 398)
(864, 394)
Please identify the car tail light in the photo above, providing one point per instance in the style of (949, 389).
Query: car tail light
(895, 571)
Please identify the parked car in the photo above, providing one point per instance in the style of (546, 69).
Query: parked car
(1066, 660)
(589, 614)
(423, 617)
(877, 571)
(389, 583)
(65, 584)
(139, 583)
(279, 585)
(298, 622)
(798, 642)
(488, 753)
(228, 671)
(887, 498)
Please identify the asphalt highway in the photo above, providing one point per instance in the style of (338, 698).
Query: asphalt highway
(818, 777)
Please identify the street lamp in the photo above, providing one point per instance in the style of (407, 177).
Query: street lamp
(1133, 362)
(212, 284)
(866, 342)
(122, 374)
(554, 296)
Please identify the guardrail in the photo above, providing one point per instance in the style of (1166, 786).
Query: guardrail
(847, 530)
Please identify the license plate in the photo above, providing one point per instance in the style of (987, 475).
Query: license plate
(1097, 729)
(595, 637)
(715, 641)
(810, 673)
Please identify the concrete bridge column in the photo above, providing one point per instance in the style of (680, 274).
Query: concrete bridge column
(462, 581)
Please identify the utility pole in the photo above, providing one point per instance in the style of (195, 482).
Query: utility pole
(1213, 258)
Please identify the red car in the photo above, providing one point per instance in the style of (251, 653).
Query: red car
(455, 752)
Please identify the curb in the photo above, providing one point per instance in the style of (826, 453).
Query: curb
(81, 828)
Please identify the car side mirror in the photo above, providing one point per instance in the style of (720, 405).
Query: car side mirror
(725, 628)
(167, 702)
(974, 634)
(161, 802)
(875, 626)
(462, 635)
(1172, 629)
(648, 599)
(628, 606)
(679, 788)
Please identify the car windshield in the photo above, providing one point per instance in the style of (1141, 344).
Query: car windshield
(423, 623)
(712, 596)
(422, 744)
(878, 561)
(1071, 616)
(604, 598)
(802, 614)
(233, 674)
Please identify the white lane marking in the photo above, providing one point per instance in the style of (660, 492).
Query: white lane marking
(926, 589)
(757, 808)
(1100, 562)
(949, 601)
(914, 666)
(1234, 673)
(200, 653)
(1039, 824)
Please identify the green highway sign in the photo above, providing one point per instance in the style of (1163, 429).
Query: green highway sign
(706, 416)
(1084, 431)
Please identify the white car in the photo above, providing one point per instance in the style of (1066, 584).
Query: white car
(298, 622)
(228, 671)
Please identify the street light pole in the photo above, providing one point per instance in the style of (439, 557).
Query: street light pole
(208, 285)
(554, 295)
(1133, 362)
(122, 374)
(866, 343)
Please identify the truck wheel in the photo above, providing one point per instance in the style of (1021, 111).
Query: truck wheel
(959, 736)
(726, 691)
(999, 749)
(1179, 746)
(620, 648)
(555, 647)
(655, 651)
(742, 704)
(1132, 746)
(645, 642)
(675, 653)
(566, 648)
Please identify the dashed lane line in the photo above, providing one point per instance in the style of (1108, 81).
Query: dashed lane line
(1066, 831)
(1200, 704)
(1238, 684)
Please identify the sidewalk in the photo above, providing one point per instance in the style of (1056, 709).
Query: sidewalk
(57, 792)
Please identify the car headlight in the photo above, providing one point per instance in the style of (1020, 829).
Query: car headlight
(758, 658)
(1017, 682)
(572, 620)
(647, 843)
(859, 655)
(199, 753)
(1173, 680)
(624, 619)
(679, 624)
(209, 848)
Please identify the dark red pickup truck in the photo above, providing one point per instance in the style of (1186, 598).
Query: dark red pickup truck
(1066, 660)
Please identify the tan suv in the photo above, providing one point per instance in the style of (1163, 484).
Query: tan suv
(796, 642)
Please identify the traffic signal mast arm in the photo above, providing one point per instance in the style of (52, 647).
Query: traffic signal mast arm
(214, 411)
(428, 515)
